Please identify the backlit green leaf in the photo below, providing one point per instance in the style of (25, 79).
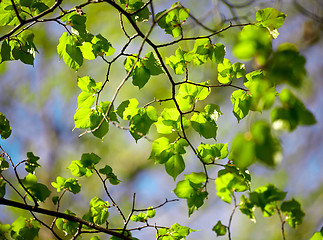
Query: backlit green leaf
(293, 212)
(2, 189)
(31, 163)
(23, 228)
(227, 184)
(99, 210)
(270, 18)
(219, 229)
(210, 153)
(107, 171)
(5, 129)
(38, 190)
(172, 21)
(247, 207)
(68, 227)
(241, 104)
(189, 94)
(70, 52)
(253, 41)
(192, 189)
(266, 198)
(175, 165)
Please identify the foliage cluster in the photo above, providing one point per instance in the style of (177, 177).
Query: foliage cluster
(187, 113)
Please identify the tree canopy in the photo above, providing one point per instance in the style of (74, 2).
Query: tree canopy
(147, 80)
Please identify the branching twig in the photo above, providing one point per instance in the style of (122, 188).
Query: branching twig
(282, 222)
(15, 204)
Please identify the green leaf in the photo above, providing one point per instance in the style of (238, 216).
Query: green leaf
(2, 190)
(169, 154)
(293, 212)
(55, 199)
(39, 191)
(95, 238)
(267, 147)
(317, 235)
(88, 85)
(140, 123)
(168, 121)
(175, 232)
(142, 217)
(4, 165)
(70, 52)
(6, 51)
(227, 184)
(7, 15)
(4, 229)
(259, 144)
(99, 210)
(78, 170)
(196, 178)
(127, 109)
(89, 160)
(227, 72)
(140, 75)
(161, 150)
(210, 153)
(287, 66)
(204, 123)
(262, 91)
(243, 150)
(133, 7)
(87, 51)
(23, 228)
(5, 129)
(31, 162)
(107, 171)
(219, 229)
(184, 189)
(189, 94)
(192, 189)
(175, 165)
(266, 198)
(144, 68)
(292, 113)
(172, 21)
(138, 218)
(271, 19)
(82, 115)
(217, 53)
(151, 212)
(241, 104)
(20, 48)
(151, 64)
(77, 22)
(70, 184)
(68, 227)
(178, 62)
(101, 46)
(253, 41)
(247, 207)
(97, 117)
(201, 50)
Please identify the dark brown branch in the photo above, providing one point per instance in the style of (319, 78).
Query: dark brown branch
(109, 195)
(44, 13)
(282, 222)
(159, 206)
(16, 11)
(47, 212)
(200, 37)
(231, 216)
